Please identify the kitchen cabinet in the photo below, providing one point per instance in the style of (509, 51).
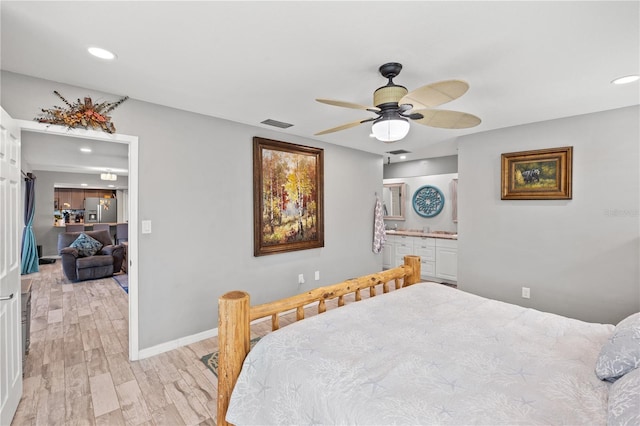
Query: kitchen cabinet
(63, 197)
(74, 198)
(68, 199)
(98, 193)
(77, 199)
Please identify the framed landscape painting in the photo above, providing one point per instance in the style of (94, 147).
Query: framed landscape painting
(288, 195)
(543, 174)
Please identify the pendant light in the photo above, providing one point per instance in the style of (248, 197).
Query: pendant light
(108, 176)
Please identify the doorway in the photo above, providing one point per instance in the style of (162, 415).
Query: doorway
(132, 252)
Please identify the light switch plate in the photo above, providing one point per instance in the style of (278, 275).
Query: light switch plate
(146, 226)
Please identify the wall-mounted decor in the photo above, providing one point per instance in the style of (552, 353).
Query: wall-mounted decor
(288, 197)
(81, 114)
(428, 201)
(543, 174)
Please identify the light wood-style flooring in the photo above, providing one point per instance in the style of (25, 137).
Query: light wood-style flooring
(78, 370)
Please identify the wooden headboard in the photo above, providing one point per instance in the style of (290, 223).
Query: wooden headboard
(235, 314)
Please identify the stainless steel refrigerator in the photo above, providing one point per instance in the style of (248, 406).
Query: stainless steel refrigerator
(100, 210)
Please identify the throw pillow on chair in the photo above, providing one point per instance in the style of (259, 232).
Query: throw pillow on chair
(86, 245)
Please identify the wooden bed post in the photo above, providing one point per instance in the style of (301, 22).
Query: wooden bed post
(414, 263)
(233, 342)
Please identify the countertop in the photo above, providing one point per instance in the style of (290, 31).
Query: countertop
(416, 233)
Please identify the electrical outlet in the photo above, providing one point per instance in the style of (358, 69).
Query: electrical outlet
(317, 275)
(301, 279)
(526, 292)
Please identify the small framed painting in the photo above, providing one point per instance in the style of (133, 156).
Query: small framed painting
(288, 197)
(543, 174)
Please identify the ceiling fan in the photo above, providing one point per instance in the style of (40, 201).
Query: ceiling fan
(395, 106)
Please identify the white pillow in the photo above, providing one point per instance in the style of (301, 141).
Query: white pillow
(621, 353)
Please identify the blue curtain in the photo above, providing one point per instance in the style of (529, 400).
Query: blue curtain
(29, 249)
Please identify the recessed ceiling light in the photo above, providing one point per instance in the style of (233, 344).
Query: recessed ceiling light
(85, 149)
(403, 157)
(83, 184)
(626, 79)
(111, 186)
(101, 53)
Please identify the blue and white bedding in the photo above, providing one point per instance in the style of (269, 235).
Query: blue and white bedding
(426, 354)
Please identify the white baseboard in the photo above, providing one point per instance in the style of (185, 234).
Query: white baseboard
(175, 344)
(187, 340)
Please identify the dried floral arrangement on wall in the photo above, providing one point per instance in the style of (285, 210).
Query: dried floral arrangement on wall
(81, 114)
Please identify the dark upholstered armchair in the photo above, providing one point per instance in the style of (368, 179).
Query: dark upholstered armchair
(103, 264)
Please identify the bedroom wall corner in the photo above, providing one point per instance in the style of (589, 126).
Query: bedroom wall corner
(579, 257)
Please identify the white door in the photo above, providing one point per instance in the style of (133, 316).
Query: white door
(10, 306)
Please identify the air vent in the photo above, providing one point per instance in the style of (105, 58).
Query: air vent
(275, 123)
(399, 151)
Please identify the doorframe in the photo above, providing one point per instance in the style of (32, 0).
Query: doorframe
(132, 253)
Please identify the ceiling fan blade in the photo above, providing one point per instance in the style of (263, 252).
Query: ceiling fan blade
(446, 119)
(344, 126)
(347, 104)
(435, 94)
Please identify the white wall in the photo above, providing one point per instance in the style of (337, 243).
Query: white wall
(195, 185)
(443, 221)
(422, 167)
(579, 257)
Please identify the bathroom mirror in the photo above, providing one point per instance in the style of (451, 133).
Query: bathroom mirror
(393, 200)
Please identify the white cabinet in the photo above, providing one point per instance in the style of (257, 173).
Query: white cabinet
(389, 252)
(438, 256)
(426, 249)
(404, 246)
(447, 259)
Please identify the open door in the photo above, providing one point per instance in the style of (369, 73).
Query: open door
(10, 306)
(132, 252)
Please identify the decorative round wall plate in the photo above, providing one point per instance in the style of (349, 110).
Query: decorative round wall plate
(428, 201)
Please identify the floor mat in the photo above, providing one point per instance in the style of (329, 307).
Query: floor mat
(211, 360)
(123, 281)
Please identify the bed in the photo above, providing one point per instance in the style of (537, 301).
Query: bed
(426, 354)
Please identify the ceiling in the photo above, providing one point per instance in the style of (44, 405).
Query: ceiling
(56, 153)
(250, 61)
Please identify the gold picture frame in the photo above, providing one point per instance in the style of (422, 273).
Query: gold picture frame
(288, 197)
(543, 174)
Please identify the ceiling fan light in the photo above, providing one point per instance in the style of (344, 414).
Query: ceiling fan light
(390, 129)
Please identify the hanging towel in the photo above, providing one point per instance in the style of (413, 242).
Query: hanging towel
(379, 234)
